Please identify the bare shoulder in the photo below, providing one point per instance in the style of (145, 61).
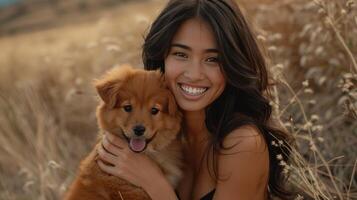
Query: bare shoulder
(245, 152)
(243, 165)
(244, 139)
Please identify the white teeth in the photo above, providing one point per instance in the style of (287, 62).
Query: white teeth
(192, 90)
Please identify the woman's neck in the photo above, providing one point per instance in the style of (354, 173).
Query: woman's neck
(195, 126)
(197, 136)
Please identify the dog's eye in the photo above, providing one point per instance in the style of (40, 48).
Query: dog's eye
(154, 111)
(127, 108)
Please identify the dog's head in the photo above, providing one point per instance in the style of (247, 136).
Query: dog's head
(137, 106)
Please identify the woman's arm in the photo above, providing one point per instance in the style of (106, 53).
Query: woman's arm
(136, 168)
(245, 171)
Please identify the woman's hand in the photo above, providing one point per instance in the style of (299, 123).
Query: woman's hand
(136, 168)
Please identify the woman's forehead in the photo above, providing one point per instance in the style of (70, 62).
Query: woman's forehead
(195, 33)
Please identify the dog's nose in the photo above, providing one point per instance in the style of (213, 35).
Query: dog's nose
(139, 130)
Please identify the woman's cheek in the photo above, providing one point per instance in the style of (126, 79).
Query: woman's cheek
(171, 70)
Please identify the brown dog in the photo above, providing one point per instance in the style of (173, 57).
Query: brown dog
(136, 106)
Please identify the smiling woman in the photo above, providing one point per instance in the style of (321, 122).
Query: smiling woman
(191, 67)
(218, 76)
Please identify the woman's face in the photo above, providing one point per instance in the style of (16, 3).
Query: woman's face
(192, 68)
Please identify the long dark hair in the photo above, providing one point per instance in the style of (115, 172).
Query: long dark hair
(244, 67)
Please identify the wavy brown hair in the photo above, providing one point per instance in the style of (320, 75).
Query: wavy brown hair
(243, 101)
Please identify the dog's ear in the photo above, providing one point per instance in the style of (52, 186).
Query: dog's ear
(109, 86)
(108, 92)
(171, 104)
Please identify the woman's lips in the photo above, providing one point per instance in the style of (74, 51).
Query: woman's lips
(192, 92)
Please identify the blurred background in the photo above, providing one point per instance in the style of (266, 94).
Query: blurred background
(51, 50)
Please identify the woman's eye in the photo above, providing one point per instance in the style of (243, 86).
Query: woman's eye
(154, 111)
(180, 54)
(212, 59)
(128, 108)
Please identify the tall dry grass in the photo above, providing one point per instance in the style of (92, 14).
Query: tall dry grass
(313, 50)
(47, 102)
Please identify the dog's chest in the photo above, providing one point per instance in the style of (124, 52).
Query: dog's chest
(171, 162)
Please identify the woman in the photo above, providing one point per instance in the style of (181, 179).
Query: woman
(218, 75)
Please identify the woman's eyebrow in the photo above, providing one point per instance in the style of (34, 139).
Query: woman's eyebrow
(189, 48)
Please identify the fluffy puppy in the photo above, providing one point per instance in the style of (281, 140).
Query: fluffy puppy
(138, 107)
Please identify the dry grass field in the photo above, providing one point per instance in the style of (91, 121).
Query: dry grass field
(47, 101)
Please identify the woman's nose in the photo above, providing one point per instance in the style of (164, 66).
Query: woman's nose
(194, 71)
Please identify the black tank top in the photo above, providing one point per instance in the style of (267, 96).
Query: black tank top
(208, 196)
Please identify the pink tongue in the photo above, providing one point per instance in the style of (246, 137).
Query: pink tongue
(137, 145)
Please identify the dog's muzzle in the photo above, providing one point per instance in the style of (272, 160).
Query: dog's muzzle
(138, 143)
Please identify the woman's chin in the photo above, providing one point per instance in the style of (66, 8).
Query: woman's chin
(191, 106)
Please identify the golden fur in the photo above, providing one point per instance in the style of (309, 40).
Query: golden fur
(142, 90)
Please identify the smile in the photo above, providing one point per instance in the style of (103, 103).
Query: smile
(193, 91)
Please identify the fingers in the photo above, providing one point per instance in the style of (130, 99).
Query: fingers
(115, 140)
(114, 144)
(106, 156)
(106, 168)
(115, 171)
(109, 147)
